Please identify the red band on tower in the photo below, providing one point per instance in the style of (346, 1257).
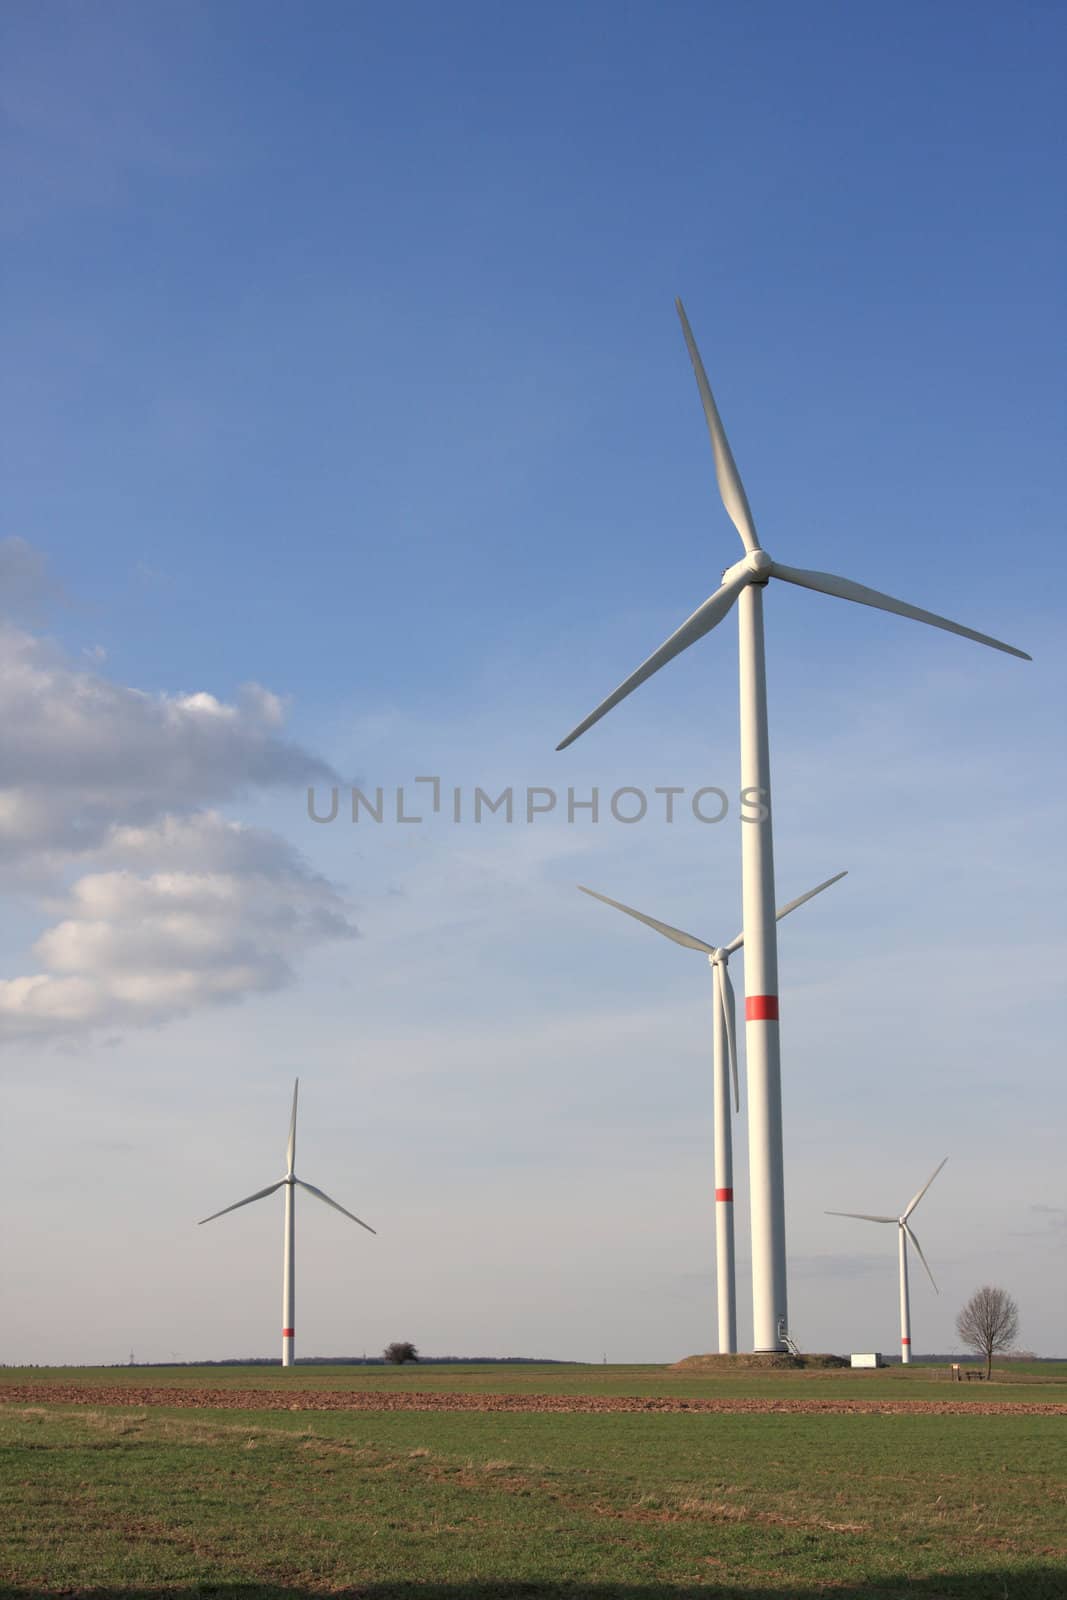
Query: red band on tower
(287, 1333)
(724, 1194)
(905, 1340)
(761, 1008)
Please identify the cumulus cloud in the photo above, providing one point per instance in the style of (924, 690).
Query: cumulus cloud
(83, 754)
(158, 903)
(223, 912)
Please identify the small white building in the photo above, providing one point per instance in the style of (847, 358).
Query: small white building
(867, 1358)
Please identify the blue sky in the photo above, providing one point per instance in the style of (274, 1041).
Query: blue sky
(341, 360)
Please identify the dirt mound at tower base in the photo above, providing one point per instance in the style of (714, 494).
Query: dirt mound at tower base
(758, 1361)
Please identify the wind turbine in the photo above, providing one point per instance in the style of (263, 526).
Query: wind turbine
(290, 1183)
(724, 1047)
(743, 584)
(904, 1233)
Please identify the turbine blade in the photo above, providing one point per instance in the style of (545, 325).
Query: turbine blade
(916, 1198)
(688, 939)
(731, 488)
(311, 1189)
(260, 1194)
(704, 618)
(291, 1149)
(783, 911)
(729, 1012)
(845, 589)
(864, 1216)
(922, 1258)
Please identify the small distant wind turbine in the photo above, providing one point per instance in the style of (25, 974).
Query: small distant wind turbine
(904, 1233)
(290, 1183)
(724, 1047)
(743, 585)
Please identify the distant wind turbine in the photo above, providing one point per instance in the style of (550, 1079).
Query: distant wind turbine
(904, 1233)
(724, 1047)
(290, 1183)
(743, 584)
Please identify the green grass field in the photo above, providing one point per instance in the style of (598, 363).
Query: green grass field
(432, 1506)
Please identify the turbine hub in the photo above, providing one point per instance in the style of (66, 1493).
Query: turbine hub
(759, 564)
(719, 957)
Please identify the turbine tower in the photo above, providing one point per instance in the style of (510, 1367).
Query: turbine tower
(743, 584)
(290, 1183)
(724, 1047)
(904, 1233)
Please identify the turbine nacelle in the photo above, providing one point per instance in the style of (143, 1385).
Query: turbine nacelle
(755, 566)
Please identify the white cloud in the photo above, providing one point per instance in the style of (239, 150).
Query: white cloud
(83, 754)
(173, 906)
(144, 947)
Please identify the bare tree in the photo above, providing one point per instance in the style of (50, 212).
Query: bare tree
(989, 1321)
(399, 1351)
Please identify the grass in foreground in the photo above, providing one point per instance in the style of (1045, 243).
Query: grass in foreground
(257, 1505)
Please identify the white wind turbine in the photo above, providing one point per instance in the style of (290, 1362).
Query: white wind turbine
(744, 584)
(904, 1233)
(724, 1048)
(290, 1183)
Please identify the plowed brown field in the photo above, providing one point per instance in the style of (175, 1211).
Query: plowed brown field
(414, 1400)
